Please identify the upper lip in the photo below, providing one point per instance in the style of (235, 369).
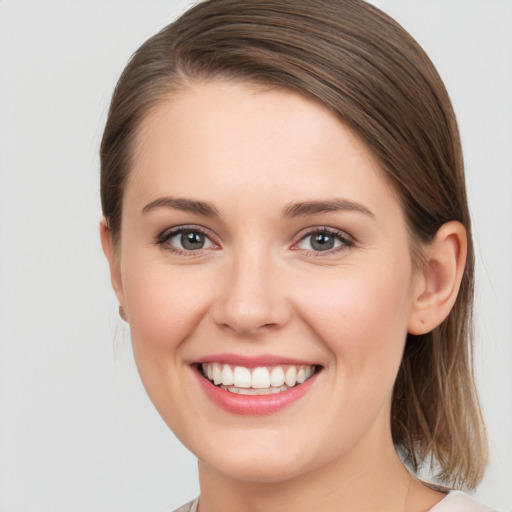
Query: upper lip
(252, 361)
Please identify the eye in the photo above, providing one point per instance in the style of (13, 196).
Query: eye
(185, 239)
(322, 240)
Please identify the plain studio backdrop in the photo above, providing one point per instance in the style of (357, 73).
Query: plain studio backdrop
(77, 432)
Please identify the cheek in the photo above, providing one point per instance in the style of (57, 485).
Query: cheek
(361, 316)
(164, 303)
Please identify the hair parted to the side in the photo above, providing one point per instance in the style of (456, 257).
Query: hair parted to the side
(362, 65)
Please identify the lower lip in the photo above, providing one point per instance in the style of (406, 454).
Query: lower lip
(253, 404)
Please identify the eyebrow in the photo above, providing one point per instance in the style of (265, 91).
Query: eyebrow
(184, 205)
(300, 209)
(314, 207)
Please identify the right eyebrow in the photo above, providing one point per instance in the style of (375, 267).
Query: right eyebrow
(182, 204)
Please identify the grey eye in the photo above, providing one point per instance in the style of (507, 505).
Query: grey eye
(190, 240)
(322, 241)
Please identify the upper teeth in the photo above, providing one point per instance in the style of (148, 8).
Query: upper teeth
(262, 377)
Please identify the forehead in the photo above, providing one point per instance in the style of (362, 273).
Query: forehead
(225, 137)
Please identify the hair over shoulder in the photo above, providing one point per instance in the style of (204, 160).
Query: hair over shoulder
(363, 66)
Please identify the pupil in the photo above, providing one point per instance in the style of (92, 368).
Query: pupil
(192, 240)
(322, 242)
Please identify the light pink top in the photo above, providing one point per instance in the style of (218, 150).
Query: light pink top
(455, 501)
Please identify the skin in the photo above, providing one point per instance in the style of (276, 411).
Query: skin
(259, 287)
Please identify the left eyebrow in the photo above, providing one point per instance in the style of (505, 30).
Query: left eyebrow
(314, 207)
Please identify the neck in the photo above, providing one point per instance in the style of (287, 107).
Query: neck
(358, 482)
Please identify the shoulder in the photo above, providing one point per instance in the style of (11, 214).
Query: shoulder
(457, 501)
(191, 506)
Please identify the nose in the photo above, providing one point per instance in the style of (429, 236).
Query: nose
(251, 298)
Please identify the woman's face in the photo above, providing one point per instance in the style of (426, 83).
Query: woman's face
(260, 240)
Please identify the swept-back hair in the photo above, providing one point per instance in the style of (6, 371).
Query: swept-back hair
(362, 65)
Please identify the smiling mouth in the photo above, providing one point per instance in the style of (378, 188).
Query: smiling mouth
(262, 380)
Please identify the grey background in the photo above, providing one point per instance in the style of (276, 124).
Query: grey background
(77, 432)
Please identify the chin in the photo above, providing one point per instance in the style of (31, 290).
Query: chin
(270, 459)
(257, 470)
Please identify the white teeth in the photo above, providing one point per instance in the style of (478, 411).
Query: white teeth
(277, 377)
(251, 391)
(242, 377)
(244, 391)
(216, 374)
(227, 375)
(260, 378)
(301, 375)
(290, 377)
(257, 381)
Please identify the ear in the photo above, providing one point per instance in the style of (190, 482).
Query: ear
(112, 256)
(439, 282)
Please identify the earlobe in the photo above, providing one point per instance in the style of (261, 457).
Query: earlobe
(112, 256)
(445, 260)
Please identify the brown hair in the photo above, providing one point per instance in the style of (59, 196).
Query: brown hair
(366, 68)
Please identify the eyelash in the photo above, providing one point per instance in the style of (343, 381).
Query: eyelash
(163, 238)
(346, 242)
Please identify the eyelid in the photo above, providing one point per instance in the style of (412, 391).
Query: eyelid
(347, 240)
(169, 233)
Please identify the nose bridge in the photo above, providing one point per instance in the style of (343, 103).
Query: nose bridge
(250, 298)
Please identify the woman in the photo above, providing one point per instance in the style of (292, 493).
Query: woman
(286, 224)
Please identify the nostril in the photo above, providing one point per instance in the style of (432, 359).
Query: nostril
(250, 298)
